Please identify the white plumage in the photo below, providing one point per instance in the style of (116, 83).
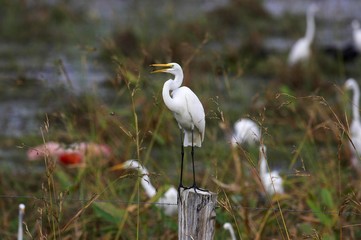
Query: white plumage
(246, 131)
(169, 200)
(356, 35)
(272, 181)
(228, 226)
(187, 110)
(185, 105)
(355, 128)
(21, 216)
(301, 50)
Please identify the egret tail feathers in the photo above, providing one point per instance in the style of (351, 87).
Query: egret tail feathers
(197, 141)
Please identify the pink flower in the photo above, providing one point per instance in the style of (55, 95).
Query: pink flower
(74, 154)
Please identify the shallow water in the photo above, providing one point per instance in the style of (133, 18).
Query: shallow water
(331, 10)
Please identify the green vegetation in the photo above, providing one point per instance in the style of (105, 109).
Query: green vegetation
(302, 112)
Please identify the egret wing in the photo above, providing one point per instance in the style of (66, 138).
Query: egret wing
(196, 111)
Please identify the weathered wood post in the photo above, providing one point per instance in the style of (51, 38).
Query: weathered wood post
(196, 215)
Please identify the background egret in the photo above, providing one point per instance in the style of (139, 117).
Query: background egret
(245, 130)
(21, 216)
(272, 181)
(349, 51)
(356, 35)
(355, 128)
(187, 110)
(301, 50)
(169, 200)
(228, 226)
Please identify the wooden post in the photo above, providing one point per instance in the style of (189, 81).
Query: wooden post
(196, 215)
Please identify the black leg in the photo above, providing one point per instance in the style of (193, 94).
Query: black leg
(194, 173)
(194, 186)
(182, 158)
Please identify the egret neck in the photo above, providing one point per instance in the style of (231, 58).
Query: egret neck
(311, 26)
(355, 103)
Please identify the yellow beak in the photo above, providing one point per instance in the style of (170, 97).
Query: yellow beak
(117, 167)
(166, 65)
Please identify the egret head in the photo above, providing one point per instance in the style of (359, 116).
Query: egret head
(173, 68)
(227, 225)
(313, 8)
(21, 208)
(350, 83)
(130, 164)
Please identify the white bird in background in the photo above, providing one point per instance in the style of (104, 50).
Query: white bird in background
(245, 130)
(228, 226)
(21, 216)
(356, 35)
(301, 50)
(169, 200)
(187, 110)
(355, 128)
(272, 181)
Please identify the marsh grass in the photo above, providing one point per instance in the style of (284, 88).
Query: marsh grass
(317, 175)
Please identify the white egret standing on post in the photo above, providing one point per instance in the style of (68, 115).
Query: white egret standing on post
(187, 110)
(301, 50)
(355, 128)
(21, 216)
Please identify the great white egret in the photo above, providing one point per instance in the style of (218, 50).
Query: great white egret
(228, 226)
(71, 155)
(271, 181)
(187, 110)
(168, 202)
(246, 130)
(21, 216)
(301, 50)
(356, 35)
(355, 128)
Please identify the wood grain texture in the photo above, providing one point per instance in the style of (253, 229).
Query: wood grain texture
(196, 215)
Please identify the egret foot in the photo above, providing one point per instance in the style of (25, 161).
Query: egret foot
(195, 187)
(179, 193)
